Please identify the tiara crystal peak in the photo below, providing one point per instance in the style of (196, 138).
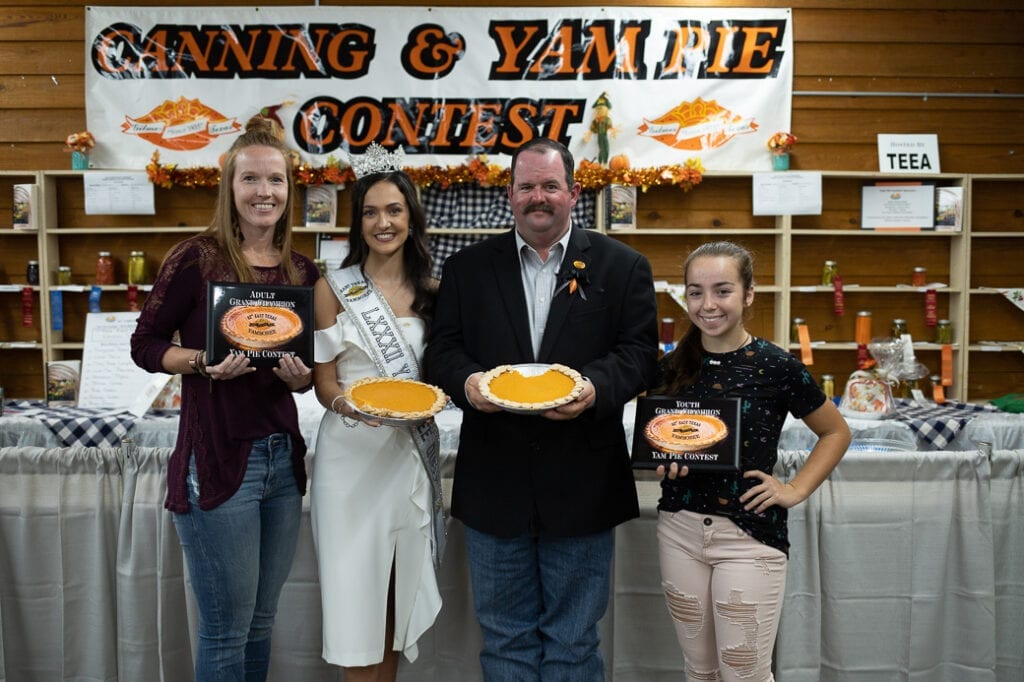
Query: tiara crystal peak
(377, 159)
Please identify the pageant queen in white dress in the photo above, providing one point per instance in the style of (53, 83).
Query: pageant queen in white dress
(377, 525)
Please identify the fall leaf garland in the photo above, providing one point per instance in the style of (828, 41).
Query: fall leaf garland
(478, 170)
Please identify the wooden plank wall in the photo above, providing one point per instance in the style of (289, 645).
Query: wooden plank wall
(861, 67)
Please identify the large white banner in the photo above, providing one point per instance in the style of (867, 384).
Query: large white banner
(656, 85)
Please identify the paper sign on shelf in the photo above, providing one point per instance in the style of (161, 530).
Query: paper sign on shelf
(908, 153)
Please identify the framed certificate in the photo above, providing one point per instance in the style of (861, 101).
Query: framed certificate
(264, 322)
(903, 206)
(702, 434)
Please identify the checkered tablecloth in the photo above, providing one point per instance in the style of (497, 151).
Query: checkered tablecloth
(467, 206)
(937, 424)
(77, 426)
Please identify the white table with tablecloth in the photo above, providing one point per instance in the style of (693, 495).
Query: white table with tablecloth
(905, 565)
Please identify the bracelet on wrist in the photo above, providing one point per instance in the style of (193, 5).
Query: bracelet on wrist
(335, 402)
(198, 364)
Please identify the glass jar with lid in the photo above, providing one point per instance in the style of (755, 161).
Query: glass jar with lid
(829, 272)
(828, 385)
(137, 268)
(794, 330)
(104, 268)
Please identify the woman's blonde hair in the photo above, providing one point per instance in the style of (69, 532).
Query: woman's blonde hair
(259, 132)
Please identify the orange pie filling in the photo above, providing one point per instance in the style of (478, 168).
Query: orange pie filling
(509, 387)
(388, 397)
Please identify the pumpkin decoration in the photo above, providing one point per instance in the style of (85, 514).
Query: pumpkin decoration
(618, 162)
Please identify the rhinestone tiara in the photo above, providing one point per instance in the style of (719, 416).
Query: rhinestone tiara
(376, 159)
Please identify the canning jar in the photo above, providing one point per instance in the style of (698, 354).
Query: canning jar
(104, 268)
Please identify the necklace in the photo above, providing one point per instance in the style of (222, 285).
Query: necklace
(389, 291)
(713, 361)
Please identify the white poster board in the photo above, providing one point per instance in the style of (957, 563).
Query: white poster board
(794, 193)
(110, 379)
(122, 193)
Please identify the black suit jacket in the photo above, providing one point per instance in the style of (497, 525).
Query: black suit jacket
(518, 474)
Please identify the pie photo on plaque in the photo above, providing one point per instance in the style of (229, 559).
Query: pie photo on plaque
(255, 327)
(684, 432)
(531, 388)
(396, 401)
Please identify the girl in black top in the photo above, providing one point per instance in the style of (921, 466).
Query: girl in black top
(722, 535)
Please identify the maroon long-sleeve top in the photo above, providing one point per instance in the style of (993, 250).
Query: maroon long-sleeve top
(219, 419)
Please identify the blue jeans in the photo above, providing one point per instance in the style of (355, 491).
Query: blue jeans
(239, 555)
(538, 601)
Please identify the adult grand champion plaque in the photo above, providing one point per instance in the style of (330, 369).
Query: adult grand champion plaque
(701, 434)
(264, 322)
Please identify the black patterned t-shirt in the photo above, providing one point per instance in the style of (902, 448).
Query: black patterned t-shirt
(770, 383)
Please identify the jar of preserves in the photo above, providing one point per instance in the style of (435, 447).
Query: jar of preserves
(920, 277)
(943, 332)
(137, 268)
(321, 265)
(104, 268)
(794, 330)
(667, 341)
(862, 329)
(32, 272)
(828, 385)
(63, 275)
(899, 328)
(829, 272)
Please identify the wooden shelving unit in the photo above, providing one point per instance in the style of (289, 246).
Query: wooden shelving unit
(971, 266)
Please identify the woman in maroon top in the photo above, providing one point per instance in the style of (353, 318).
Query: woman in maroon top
(236, 477)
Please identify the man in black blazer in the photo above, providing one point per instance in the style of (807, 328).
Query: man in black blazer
(541, 494)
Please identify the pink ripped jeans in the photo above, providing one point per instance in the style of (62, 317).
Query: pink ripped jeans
(724, 591)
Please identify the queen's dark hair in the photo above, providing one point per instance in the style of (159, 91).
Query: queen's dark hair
(416, 258)
(681, 367)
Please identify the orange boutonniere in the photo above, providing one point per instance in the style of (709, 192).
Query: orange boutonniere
(574, 278)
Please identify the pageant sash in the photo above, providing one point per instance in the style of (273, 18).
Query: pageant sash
(382, 334)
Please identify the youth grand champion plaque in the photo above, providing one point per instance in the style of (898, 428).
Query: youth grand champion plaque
(701, 434)
(264, 322)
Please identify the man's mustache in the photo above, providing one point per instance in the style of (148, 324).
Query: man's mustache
(546, 207)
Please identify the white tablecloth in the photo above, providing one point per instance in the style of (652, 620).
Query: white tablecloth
(904, 566)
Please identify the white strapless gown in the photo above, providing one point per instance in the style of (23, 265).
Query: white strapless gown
(370, 501)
